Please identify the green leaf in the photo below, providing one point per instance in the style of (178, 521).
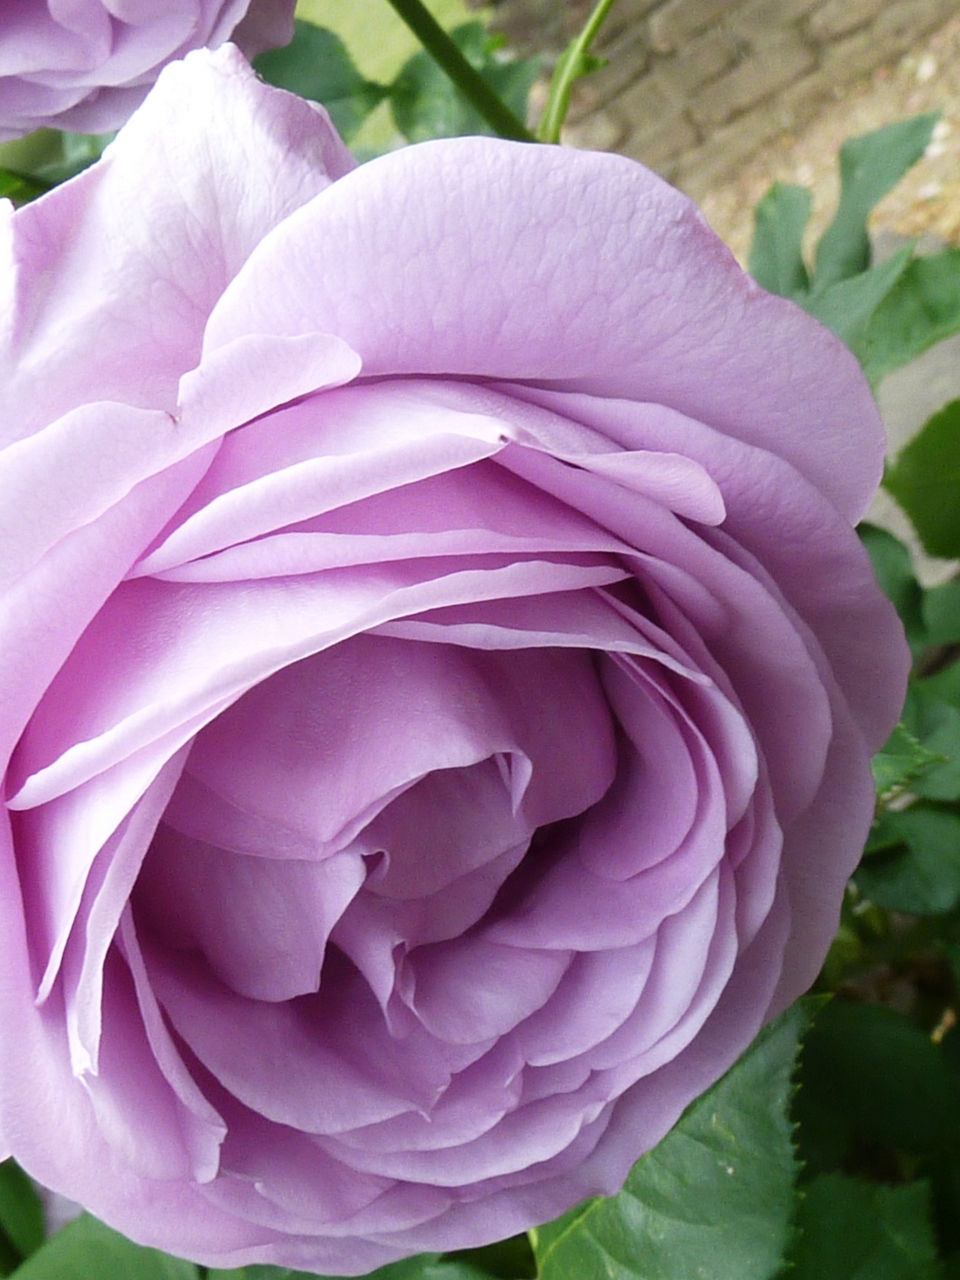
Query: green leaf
(21, 187)
(870, 166)
(848, 305)
(945, 685)
(714, 1199)
(941, 612)
(85, 1249)
(922, 878)
(317, 65)
(510, 1259)
(853, 1230)
(10, 1258)
(426, 104)
(882, 835)
(894, 569)
(936, 724)
(475, 88)
(544, 1238)
(922, 308)
(925, 480)
(31, 166)
(76, 152)
(28, 154)
(870, 1072)
(21, 1209)
(776, 254)
(951, 952)
(901, 759)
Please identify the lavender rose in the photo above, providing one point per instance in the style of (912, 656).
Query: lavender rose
(439, 674)
(86, 65)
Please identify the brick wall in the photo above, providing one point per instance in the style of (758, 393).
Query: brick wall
(693, 87)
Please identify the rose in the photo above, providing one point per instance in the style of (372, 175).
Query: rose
(87, 65)
(439, 675)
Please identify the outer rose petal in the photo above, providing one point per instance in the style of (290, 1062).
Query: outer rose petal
(538, 231)
(436, 655)
(88, 65)
(206, 216)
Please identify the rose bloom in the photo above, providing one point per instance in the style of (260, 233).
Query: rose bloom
(87, 64)
(439, 675)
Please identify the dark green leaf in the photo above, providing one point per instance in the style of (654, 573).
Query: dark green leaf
(21, 1210)
(883, 834)
(426, 103)
(848, 305)
(9, 1257)
(546, 1237)
(853, 1230)
(317, 65)
(894, 569)
(28, 154)
(869, 1071)
(925, 480)
(870, 166)
(85, 1249)
(902, 759)
(427, 1267)
(35, 164)
(944, 1172)
(776, 254)
(951, 952)
(510, 1259)
(78, 151)
(922, 308)
(923, 877)
(945, 685)
(21, 187)
(936, 724)
(941, 612)
(714, 1199)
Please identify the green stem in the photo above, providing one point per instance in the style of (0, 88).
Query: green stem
(470, 83)
(571, 66)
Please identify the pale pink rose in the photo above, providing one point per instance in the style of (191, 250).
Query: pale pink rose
(439, 675)
(87, 64)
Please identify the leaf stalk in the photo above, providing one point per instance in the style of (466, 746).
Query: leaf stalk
(573, 63)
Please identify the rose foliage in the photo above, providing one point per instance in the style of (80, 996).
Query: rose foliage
(86, 64)
(439, 676)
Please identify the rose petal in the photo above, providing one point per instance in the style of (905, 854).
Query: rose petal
(466, 511)
(599, 990)
(736, 625)
(261, 925)
(338, 1065)
(243, 634)
(88, 290)
(326, 452)
(105, 895)
(469, 989)
(626, 308)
